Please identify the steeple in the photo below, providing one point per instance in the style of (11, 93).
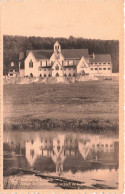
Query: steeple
(57, 47)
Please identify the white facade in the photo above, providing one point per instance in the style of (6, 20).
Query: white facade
(103, 69)
(31, 70)
(57, 65)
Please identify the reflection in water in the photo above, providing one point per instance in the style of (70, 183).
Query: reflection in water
(61, 153)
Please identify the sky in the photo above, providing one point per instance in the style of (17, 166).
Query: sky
(98, 19)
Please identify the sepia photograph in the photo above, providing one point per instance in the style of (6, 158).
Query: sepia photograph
(61, 95)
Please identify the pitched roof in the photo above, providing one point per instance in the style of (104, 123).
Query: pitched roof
(67, 53)
(74, 53)
(69, 66)
(40, 54)
(45, 67)
(101, 58)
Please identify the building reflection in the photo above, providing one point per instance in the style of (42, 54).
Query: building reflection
(62, 152)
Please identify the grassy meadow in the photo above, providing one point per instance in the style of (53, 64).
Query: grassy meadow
(86, 100)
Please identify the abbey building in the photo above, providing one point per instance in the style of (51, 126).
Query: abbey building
(61, 62)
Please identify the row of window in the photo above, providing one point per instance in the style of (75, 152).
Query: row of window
(12, 70)
(57, 75)
(44, 69)
(102, 145)
(31, 63)
(100, 68)
(57, 68)
(99, 63)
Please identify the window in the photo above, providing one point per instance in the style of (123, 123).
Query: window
(69, 74)
(95, 63)
(99, 63)
(104, 63)
(16, 70)
(57, 67)
(62, 62)
(57, 74)
(104, 68)
(96, 68)
(100, 68)
(44, 75)
(40, 63)
(109, 68)
(46, 63)
(108, 63)
(32, 153)
(65, 74)
(68, 63)
(91, 68)
(40, 75)
(11, 74)
(30, 64)
(49, 75)
(11, 70)
(44, 69)
(74, 74)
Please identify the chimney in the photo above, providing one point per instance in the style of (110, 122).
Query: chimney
(93, 56)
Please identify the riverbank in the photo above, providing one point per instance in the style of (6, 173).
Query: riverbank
(24, 179)
(95, 125)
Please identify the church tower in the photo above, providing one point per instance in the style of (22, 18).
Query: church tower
(57, 47)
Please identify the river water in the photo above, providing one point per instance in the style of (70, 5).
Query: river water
(89, 158)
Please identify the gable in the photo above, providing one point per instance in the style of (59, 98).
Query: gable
(83, 63)
(53, 57)
(30, 57)
(56, 63)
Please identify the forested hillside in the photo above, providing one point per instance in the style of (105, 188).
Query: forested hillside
(14, 44)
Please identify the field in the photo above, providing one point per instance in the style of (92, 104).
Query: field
(84, 100)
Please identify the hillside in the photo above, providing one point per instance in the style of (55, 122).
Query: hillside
(14, 44)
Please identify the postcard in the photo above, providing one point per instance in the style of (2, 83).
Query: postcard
(62, 97)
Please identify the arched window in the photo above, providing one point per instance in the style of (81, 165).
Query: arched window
(44, 75)
(31, 75)
(49, 75)
(74, 74)
(69, 74)
(57, 67)
(65, 74)
(40, 75)
(40, 63)
(57, 74)
(30, 64)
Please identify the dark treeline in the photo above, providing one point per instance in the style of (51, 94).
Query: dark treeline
(14, 44)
